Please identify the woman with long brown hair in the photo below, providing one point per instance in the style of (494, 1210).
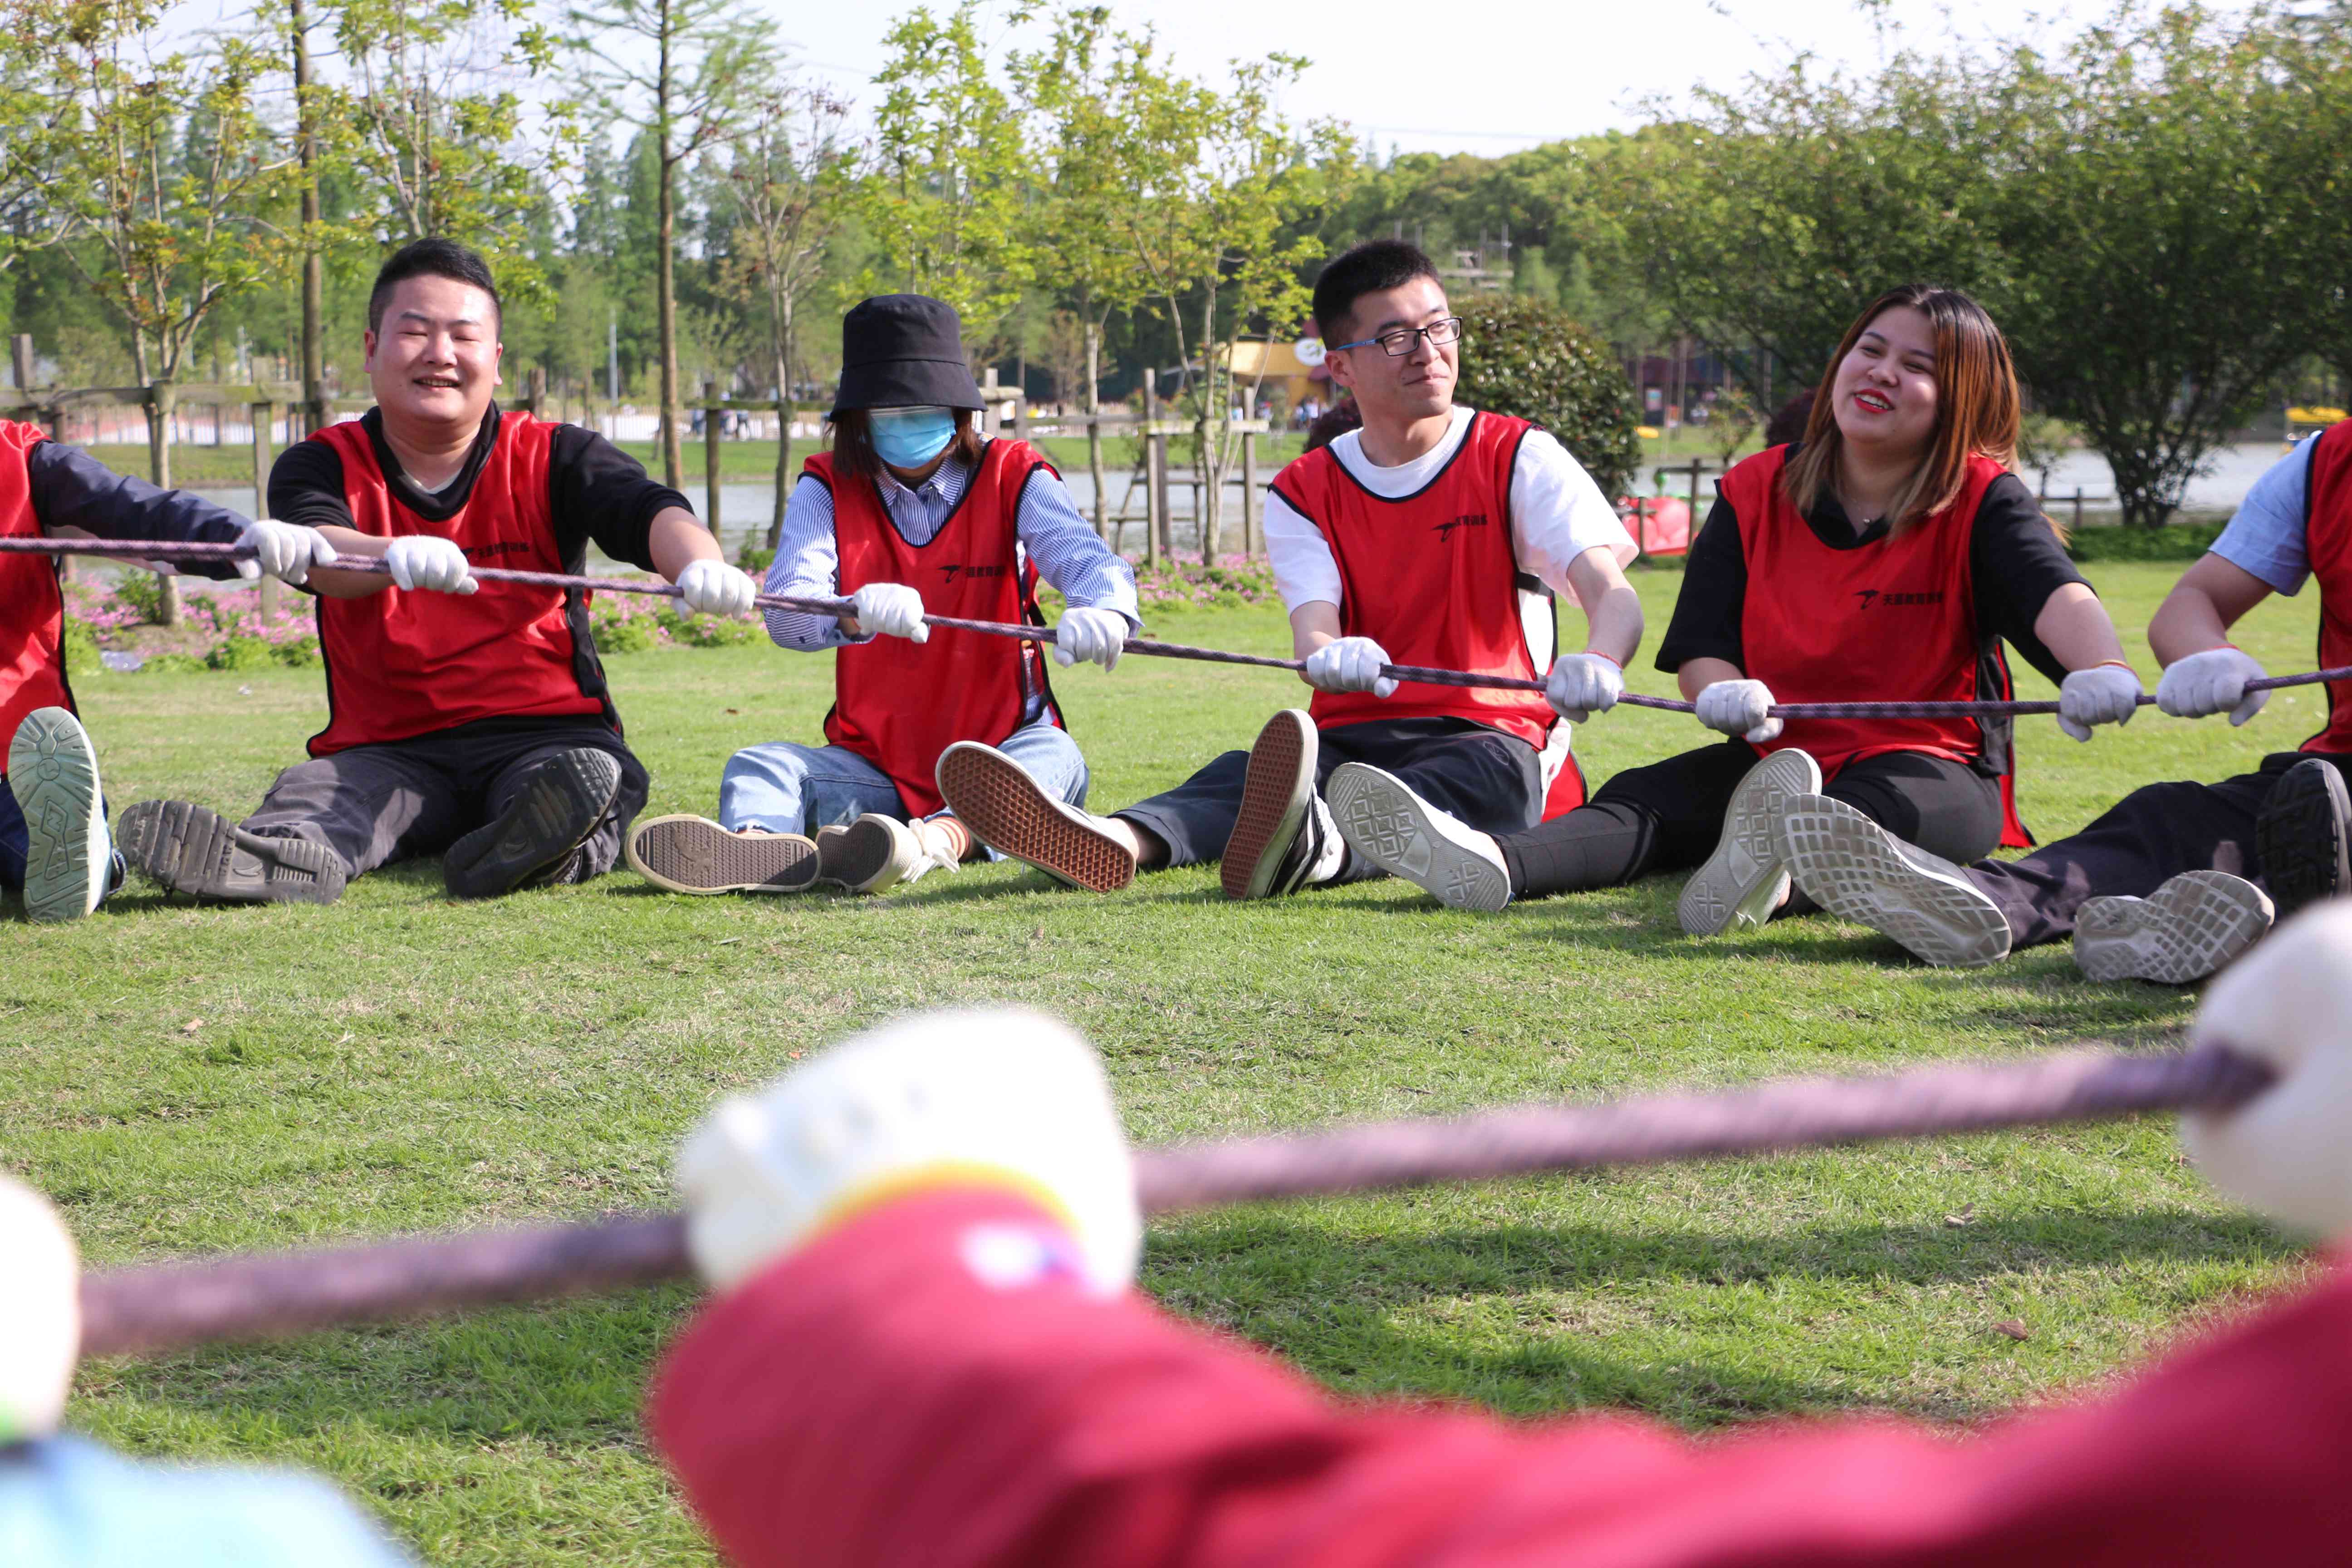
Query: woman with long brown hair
(1886, 556)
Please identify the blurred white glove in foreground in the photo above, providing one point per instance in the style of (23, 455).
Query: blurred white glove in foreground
(1738, 707)
(715, 588)
(1349, 664)
(2211, 682)
(427, 561)
(2103, 694)
(1583, 684)
(2288, 1152)
(1085, 633)
(890, 610)
(1006, 1097)
(286, 551)
(41, 1315)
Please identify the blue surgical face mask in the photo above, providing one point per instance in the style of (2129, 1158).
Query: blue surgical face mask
(909, 438)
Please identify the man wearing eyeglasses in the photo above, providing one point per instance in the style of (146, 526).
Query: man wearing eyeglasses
(1434, 535)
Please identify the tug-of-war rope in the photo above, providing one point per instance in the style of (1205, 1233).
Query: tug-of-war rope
(160, 550)
(155, 1310)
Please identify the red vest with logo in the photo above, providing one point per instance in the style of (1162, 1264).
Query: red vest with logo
(2328, 544)
(1892, 621)
(401, 663)
(32, 605)
(1432, 577)
(899, 704)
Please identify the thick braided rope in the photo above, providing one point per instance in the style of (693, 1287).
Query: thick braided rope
(161, 550)
(153, 1310)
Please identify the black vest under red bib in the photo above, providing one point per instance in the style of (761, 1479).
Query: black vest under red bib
(897, 703)
(32, 605)
(2328, 544)
(1890, 621)
(403, 663)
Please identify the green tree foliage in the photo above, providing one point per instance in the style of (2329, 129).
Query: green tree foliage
(1524, 357)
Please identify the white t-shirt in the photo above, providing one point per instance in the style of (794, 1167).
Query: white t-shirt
(1557, 514)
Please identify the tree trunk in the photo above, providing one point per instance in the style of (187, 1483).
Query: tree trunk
(665, 273)
(158, 463)
(314, 276)
(1094, 428)
(783, 438)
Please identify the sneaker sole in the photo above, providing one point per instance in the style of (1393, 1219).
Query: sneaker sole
(2187, 929)
(1275, 795)
(1744, 881)
(995, 796)
(1850, 865)
(53, 773)
(195, 850)
(871, 858)
(558, 809)
(828, 855)
(1387, 823)
(695, 854)
(2300, 836)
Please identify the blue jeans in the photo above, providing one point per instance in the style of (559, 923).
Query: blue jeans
(789, 788)
(14, 843)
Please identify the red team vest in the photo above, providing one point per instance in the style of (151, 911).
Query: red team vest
(1893, 621)
(2328, 544)
(899, 704)
(32, 605)
(1434, 578)
(402, 664)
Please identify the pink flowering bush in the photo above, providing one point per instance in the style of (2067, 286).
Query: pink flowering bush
(218, 629)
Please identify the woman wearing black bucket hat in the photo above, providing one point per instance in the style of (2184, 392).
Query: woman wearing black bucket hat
(911, 513)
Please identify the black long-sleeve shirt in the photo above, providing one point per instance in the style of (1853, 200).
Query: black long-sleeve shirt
(72, 489)
(596, 490)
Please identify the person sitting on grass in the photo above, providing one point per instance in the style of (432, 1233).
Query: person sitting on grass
(2169, 883)
(911, 513)
(1432, 535)
(54, 845)
(926, 1346)
(1884, 558)
(467, 718)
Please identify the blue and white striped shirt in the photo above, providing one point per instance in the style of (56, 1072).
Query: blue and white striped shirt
(1051, 532)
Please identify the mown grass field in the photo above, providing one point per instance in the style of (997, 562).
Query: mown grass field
(186, 1079)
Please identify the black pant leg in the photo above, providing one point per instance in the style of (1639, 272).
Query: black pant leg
(1662, 818)
(1196, 817)
(370, 804)
(499, 768)
(1482, 777)
(2155, 833)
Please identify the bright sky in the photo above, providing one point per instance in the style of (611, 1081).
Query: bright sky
(1487, 76)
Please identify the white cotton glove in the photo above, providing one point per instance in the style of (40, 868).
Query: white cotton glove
(41, 1315)
(2288, 1152)
(1097, 635)
(1349, 664)
(427, 561)
(890, 610)
(715, 588)
(1738, 707)
(1003, 1097)
(1583, 684)
(2103, 694)
(286, 551)
(2211, 682)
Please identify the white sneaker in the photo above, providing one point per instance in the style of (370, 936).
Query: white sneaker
(877, 853)
(1744, 881)
(53, 773)
(1403, 835)
(2186, 930)
(1858, 871)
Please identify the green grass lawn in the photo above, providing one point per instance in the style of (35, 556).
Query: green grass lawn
(187, 1079)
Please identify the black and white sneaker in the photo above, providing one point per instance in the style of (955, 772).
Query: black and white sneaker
(2303, 836)
(533, 839)
(53, 773)
(1283, 829)
(196, 851)
(1403, 835)
(1858, 871)
(2186, 930)
(1744, 881)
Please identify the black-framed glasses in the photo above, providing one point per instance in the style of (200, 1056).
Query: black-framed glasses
(1400, 343)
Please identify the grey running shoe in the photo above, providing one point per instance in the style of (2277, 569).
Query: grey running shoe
(1858, 871)
(1276, 837)
(2186, 930)
(532, 840)
(1403, 835)
(2303, 836)
(1007, 810)
(193, 850)
(1744, 881)
(689, 854)
(53, 773)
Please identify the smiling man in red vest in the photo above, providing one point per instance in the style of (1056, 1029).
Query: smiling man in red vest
(466, 719)
(1434, 535)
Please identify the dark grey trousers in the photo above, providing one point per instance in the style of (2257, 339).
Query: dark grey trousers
(375, 804)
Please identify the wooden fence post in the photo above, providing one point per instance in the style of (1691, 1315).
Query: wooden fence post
(1155, 489)
(710, 458)
(159, 462)
(988, 396)
(1249, 492)
(262, 415)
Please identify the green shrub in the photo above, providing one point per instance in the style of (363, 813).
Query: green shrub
(173, 664)
(1523, 357)
(2173, 542)
(755, 559)
(713, 631)
(633, 635)
(302, 653)
(241, 653)
(143, 591)
(81, 643)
